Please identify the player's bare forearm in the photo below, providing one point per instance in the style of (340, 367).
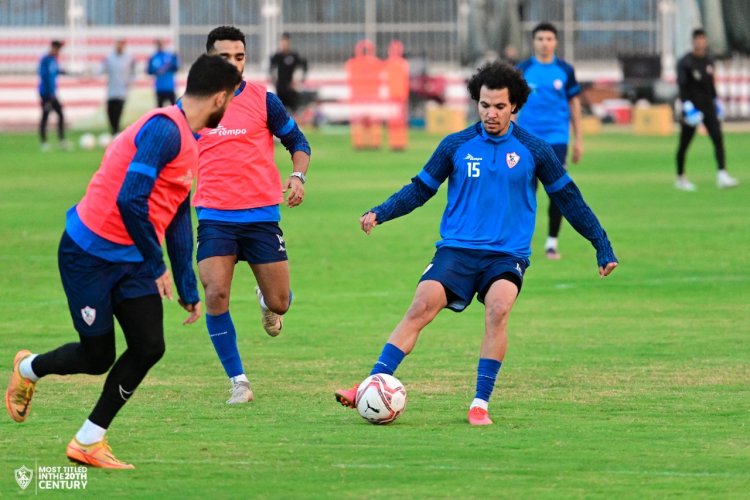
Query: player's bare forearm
(575, 123)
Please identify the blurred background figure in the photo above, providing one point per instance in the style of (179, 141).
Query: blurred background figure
(163, 65)
(120, 70)
(363, 73)
(49, 68)
(553, 104)
(700, 104)
(397, 80)
(510, 54)
(284, 63)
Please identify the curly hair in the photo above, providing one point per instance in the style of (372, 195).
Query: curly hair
(224, 33)
(499, 75)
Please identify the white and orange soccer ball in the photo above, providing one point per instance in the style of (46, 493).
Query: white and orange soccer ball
(381, 398)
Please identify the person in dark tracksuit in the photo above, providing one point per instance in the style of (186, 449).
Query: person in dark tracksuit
(700, 104)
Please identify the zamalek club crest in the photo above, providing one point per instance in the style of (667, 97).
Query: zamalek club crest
(24, 476)
(89, 315)
(511, 159)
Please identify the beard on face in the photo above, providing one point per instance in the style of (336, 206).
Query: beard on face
(215, 118)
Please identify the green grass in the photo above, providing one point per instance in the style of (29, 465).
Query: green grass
(634, 386)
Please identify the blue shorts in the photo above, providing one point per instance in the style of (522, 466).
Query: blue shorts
(94, 285)
(255, 242)
(464, 272)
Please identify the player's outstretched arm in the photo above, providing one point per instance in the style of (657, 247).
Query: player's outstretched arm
(575, 210)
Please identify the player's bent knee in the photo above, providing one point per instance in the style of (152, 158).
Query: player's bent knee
(217, 298)
(278, 304)
(150, 353)
(498, 311)
(100, 365)
(420, 311)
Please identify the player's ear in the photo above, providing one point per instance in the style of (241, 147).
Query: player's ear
(221, 98)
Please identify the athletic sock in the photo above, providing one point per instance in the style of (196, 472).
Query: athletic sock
(551, 243)
(389, 359)
(90, 433)
(26, 370)
(224, 338)
(239, 378)
(480, 403)
(486, 374)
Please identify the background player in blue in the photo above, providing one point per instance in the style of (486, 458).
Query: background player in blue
(492, 169)
(552, 104)
(139, 195)
(49, 68)
(163, 65)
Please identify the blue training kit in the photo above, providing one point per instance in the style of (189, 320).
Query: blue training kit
(492, 192)
(546, 112)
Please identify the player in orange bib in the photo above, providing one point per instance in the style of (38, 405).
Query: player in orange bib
(111, 260)
(238, 199)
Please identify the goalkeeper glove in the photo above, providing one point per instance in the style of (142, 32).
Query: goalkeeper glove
(691, 116)
(719, 109)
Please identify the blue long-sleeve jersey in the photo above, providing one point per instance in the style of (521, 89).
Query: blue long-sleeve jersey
(492, 192)
(547, 110)
(48, 71)
(163, 65)
(158, 143)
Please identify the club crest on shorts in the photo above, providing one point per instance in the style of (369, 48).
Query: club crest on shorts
(89, 315)
(511, 159)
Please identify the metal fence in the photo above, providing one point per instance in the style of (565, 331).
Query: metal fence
(448, 33)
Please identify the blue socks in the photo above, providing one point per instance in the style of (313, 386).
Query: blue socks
(224, 337)
(486, 374)
(389, 360)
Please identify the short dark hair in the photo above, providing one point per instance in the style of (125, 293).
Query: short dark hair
(211, 74)
(500, 75)
(286, 36)
(544, 26)
(224, 33)
(56, 44)
(698, 32)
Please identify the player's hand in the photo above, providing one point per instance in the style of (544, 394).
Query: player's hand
(607, 270)
(296, 191)
(193, 309)
(368, 221)
(164, 285)
(577, 151)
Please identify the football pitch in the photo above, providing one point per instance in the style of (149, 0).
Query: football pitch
(637, 385)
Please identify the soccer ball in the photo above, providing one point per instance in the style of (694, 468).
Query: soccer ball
(381, 398)
(104, 139)
(87, 141)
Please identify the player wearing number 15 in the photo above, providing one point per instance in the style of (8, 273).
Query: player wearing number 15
(492, 168)
(111, 260)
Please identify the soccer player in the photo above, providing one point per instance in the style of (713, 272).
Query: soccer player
(111, 261)
(695, 79)
(237, 199)
(552, 105)
(492, 168)
(49, 68)
(282, 67)
(163, 65)
(120, 70)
